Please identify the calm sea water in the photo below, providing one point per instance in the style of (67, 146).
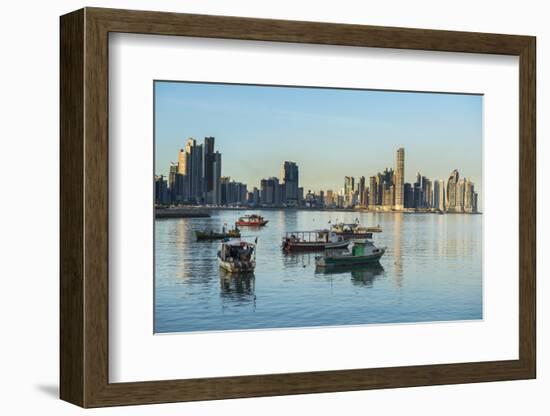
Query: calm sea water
(432, 271)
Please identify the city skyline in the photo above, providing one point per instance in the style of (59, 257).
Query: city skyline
(420, 119)
(307, 116)
(197, 179)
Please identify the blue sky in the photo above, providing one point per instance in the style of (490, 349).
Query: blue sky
(329, 133)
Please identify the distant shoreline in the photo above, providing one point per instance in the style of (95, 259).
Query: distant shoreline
(204, 211)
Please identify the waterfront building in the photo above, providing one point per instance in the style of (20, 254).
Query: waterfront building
(331, 199)
(469, 196)
(452, 184)
(232, 192)
(190, 164)
(172, 172)
(419, 191)
(388, 196)
(255, 196)
(373, 192)
(313, 200)
(211, 170)
(349, 189)
(361, 191)
(439, 195)
(270, 192)
(408, 198)
(281, 197)
(400, 180)
(289, 177)
(427, 193)
(216, 183)
(161, 190)
(224, 184)
(460, 194)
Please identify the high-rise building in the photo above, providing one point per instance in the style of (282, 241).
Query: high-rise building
(373, 191)
(427, 192)
(182, 162)
(400, 180)
(469, 196)
(387, 188)
(388, 196)
(349, 189)
(439, 195)
(211, 170)
(216, 180)
(224, 185)
(460, 195)
(408, 195)
(290, 178)
(270, 192)
(361, 191)
(172, 172)
(192, 166)
(331, 199)
(161, 190)
(452, 197)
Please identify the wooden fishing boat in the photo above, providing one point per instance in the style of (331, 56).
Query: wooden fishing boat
(236, 256)
(213, 235)
(354, 230)
(252, 220)
(361, 252)
(313, 241)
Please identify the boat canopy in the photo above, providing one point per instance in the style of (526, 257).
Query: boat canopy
(238, 243)
(306, 232)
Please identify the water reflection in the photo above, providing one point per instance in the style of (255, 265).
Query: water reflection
(434, 261)
(237, 288)
(397, 256)
(361, 275)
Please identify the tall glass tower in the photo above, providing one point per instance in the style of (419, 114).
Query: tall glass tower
(400, 180)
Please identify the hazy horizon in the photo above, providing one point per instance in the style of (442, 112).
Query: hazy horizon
(329, 133)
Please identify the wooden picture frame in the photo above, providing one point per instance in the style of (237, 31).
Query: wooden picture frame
(84, 207)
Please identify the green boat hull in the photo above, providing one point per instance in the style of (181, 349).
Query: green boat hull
(329, 261)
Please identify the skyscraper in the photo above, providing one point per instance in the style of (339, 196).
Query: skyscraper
(290, 178)
(349, 189)
(408, 195)
(270, 192)
(193, 170)
(373, 192)
(469, 196)
(452, 184)
(460, 195)
(439, 195)
(361, 191)
(400, 180)
(216, 179)
(428, 193)
(161, 190)
(172, 172)
(209, 158)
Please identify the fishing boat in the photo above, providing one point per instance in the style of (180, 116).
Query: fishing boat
(252, 220)
(354, 230)
(213, 235)
(236, 256)
(313, 241)
(360, 252)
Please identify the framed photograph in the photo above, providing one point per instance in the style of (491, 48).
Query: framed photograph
(255, 207)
